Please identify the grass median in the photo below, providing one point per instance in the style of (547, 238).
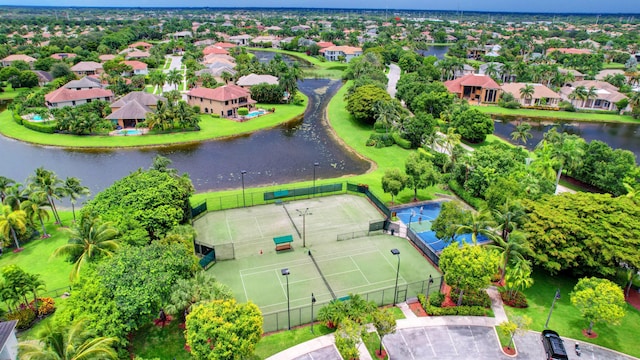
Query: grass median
(556, 115)
(210, 128)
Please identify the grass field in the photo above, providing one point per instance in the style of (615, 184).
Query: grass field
(560, 115)
(361, 265)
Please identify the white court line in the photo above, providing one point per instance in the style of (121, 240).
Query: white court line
(258, 225)
(304, 261)
(246, 295)
(228, 229)
(424, 330)
(281, 284)
(358, 267)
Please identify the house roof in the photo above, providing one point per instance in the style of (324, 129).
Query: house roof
(43, 75)
(569, 51)
(6, 329)
(212, 49)
(255, 79)
(222, 59)
(483, 81)
(140, 97)
(604, 90)
(347, 50)
(217, 70)
(131, 110)
(60, 56)
(325, 44)
(86, 66)
(16, 57)
(225, 45)
(84, 83)
(138, 54)
(140, 44)
(222, 93)
(539, 91)
(64, 95)
(136, 65)
(106, 57)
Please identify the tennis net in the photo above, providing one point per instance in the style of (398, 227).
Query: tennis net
(292, 222)
(333, 295)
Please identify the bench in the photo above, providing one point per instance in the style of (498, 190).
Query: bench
(283, 242)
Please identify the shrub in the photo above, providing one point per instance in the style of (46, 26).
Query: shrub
(567, 106)
(48, 128)
(380, 140)
(17, 118)
(46, 306)
(436, 299)
(477, 203)
(514, 299)
(454, 310)
(403, 143)
(243, 111)
(474, 298)
(25, 317)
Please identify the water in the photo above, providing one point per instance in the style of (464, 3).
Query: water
(437, 51)
(125, 132)
(617, 135)
(37, 118)
(419, 219)
(275, 156)
(266, 56)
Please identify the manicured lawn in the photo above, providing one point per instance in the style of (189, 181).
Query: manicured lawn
(566, 319)
(155, 342)
(211, 128)
(35, 258)
(10, 93)
(613, 65)
(372, 342)
(561, 115)
(274, 343)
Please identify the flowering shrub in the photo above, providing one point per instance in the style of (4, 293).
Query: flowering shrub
(46, 306)
(25, 317)
(514, 299)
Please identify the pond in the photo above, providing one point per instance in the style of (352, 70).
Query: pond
(437, 51)
(275, 156)
(617, 135)
(266, 56)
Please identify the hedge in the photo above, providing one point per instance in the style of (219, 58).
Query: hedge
(477, 203)
(454, 310)
(403, 143)
(49, 128)
(17, 118)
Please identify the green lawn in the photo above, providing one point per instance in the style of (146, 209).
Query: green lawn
(35, 258)
(613, 65)
(10, 93)
(566, 319)
(155, 342)
(560, 115)
(276, 342)
(211, 128)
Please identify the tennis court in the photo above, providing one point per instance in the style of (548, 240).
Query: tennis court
(419, 219)
(358, 265)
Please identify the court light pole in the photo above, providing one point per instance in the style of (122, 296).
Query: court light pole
(395, 292)
(313, 301)
(244, 202)
(315, 165)
(304, 224)
(285, 273)
(413, 213)
(555, 297)
(429, 285)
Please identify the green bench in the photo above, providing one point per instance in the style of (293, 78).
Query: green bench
(283, 242)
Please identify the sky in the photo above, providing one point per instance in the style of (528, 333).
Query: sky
(547, 6)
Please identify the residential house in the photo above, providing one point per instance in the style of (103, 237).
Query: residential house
(466, 70)
(225, 45)
(325, 44)
(136, 54)
(141, 45)
(63, 56)
(224, 100)
(250, 80)
(270, 39)
(106, 57)
(475, 88)
(83, 84)
(8, 340)
(137, 68)
(300, 28)
(18, 57)
(182, 35)
(44, 77)
(499, 71)
(133, 108)
(572, 51)
(542, 95)
(241, 40)
(337, 53)
(212, 49)
(606, 95)
(78, 92)
(577, 75)
(216, 70)
(87, 68)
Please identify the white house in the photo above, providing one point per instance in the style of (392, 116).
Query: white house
(8, 340)
(336, 53)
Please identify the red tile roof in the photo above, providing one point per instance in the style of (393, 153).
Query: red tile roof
(483, 81)
(225, 45)
(65, 95)
(136, 65)
(214, 50)
(222, 93)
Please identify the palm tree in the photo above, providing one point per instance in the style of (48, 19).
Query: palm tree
(526, 92)
(157, 78)
(386, 113)
(491, 70)
(522, 133)
(545, 163)
(226, 77)
(35, 207)
(5, 183)
(513, 248)
(479, 224)
(12, 222)
(592, 93)
(518, 276)
(73, 343)
(73, 190)
(566, 150)
(184, 115)
(89, 239)
(579, 93)
(201, 287)
(15, 195)
(48, 182)
(174, 77)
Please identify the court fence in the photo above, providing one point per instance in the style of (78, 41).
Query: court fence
(427, 250)
(279, 320)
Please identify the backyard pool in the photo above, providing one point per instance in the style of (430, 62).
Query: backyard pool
(128, 132)
(419, 218)
(255, 113)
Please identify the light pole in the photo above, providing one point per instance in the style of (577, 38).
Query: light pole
(244, 202)
(555, 297)
(395, 292)
(304, 224)
(313, 301)
(413, 213)
(429, 285)
(285, 273)
(315, 165)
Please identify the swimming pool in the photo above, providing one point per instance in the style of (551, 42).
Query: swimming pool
(37, 117)
(255, 113)
(419, 219)
(128, 132)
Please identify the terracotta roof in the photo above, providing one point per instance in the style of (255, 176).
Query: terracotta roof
(225, 45)
(348, 50)
(65, 95)
(136, 65)
(60, 56)
(141, 44)
(86, 66)
(604, 90)
(140, 97)
(483, 81)
(222, 93)
(325, 44)
(106, 57)
(539, 91)
(131, 110)
(17, 57)
(138, 54)
(214, 50)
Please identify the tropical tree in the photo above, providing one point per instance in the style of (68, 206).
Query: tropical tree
(35, 207)
(518, 277)
(579, 93)
(519, 324)
(12, 223)
(592, 93)
(5, 183)
(513, 249)
(421, 173)
(73, 343)
(174, 77)
(526, 92)
(566, 150)
(48, 182)
(386, 113)
(385, 324)
(599, 300)
(522, 133)
(195, 290)
(394, 181)
(89, 239)
(479, 223)
(507, 217)
(157, 78)
(226, 77)
(73, 189)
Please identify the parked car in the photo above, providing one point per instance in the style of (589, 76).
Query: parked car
(553, 346)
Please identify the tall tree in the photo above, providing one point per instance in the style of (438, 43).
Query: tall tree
(48, 182)
(567, 150)
(526, 92)
(421, 173)
(599, 300)
(5, 183)
(12, 223)
(35, 207)
(478, 224)
(522, 133)
(512, 249)
(394, 181)
(73, 189)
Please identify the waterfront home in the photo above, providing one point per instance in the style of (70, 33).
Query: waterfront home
(604, 98)
(475, 88)
(339, 53)
(133, 108)
(70, 97)
(250, 80)
(541, 96)
(241, 40)
(223, 101)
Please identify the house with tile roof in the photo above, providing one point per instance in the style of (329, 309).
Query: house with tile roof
(475, 88)
(542, 95)
(106, 57)
(606, 95)
(8, 340)
(87, 68)
(212, 49)
(63, 56)
(84, 83)
(137, 68)
(72, 97)
(18, 57)
(336, 53)
(133, 108)
(250, 80)
(241, 40)
(224, 100)
(141, 45)
(137, 54)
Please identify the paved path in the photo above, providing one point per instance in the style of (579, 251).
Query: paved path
(176, 63)
(394, 76)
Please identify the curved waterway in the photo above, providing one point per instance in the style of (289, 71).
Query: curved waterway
(274, 156)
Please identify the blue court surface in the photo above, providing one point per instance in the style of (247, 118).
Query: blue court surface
(419, 219)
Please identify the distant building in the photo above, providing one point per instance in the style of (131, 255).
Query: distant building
(224, 101)
(137, 68)
(336, 53)
(241, 40)
(542, 95)
(87, 68)
(63, 56)
(141, 45)
(250, 80)
(18, 57)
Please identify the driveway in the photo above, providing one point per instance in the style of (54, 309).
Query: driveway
(176, 63)
(393, 75)
(325, 353)
(530, 347)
